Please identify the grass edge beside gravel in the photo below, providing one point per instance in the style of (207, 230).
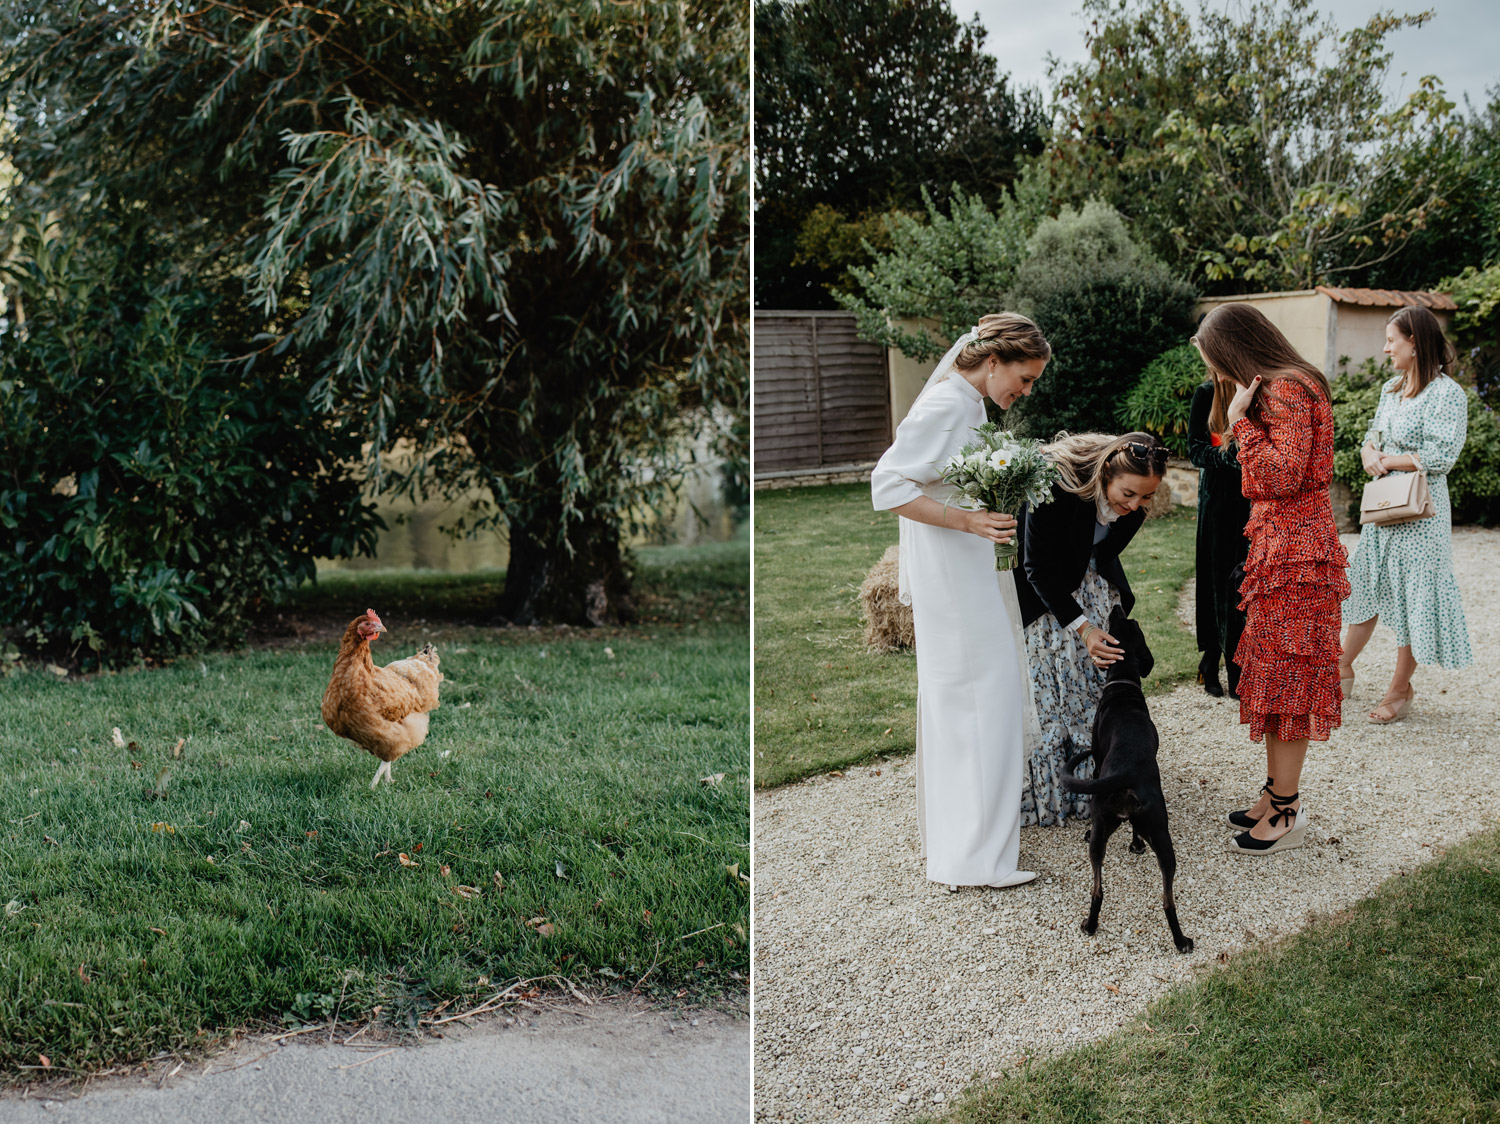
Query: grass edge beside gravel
(1387, 1010)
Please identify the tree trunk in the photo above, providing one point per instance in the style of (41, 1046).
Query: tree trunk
(546, 584)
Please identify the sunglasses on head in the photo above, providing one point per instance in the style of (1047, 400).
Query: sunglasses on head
(1155, 455)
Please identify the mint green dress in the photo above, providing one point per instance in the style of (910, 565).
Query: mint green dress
(1404, 573)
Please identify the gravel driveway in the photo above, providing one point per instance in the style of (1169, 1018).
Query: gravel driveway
(878, 994)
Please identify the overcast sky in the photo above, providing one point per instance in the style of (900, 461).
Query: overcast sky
(1459, 44)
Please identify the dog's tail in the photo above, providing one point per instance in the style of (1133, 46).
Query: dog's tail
(1091, 785)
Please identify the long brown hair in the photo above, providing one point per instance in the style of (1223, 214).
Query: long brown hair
(1432, 350)
(1009, 337)
(1087, 462)
(1238, 342)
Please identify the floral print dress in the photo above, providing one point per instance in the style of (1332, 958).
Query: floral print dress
(1294, 573)
(1404, 573)
(1066, 687)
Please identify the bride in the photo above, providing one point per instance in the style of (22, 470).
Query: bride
(970, 683)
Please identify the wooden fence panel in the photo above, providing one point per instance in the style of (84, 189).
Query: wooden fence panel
(821, 394)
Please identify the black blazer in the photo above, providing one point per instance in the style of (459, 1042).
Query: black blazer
(1056, 540)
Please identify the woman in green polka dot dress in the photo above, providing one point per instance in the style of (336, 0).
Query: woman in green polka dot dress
(1404, 573)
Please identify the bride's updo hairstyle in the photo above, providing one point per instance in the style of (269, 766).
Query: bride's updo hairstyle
(1009, 337)
(1087, 462)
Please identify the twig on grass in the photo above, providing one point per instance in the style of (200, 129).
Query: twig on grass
(710, 929)
(741, 846)
(294, 1033)
(649, 970)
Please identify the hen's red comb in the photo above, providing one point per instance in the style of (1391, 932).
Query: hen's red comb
(371, 614)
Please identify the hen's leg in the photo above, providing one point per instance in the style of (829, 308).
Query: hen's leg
(385, 768)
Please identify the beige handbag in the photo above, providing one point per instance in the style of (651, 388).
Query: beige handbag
(1397, 497)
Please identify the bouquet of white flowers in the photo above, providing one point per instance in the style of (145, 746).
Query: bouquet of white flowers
(1001, 471)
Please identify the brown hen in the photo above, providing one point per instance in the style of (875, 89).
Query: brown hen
(381, 709)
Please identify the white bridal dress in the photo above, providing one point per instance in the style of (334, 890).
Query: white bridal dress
(971, 708)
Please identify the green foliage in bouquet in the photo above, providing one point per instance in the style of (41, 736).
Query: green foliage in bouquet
(1000, 472)
(1163, 399)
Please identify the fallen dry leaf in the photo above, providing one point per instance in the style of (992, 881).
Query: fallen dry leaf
(559, 870)
(443, 870)
(154, 929)
(1112, 987)
(45, 1060)
(244, 825)
(499, 881)
(177, 749)
(545, 931)
(82, 975)
(468, 893)
(55, 670)
(734, 873)
(407, 860)
(533, 922)
(162, 828)
(610, 652)
(117, 738)
(714, 779)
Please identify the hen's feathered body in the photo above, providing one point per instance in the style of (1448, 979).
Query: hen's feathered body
(380, 709)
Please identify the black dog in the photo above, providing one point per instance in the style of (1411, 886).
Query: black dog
(1126, 784)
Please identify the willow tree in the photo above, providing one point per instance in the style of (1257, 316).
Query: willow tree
(508, 237)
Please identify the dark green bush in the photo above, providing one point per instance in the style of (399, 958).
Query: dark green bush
(1163, 399)
(1473, 482)
(1107, 307)
(150, 490)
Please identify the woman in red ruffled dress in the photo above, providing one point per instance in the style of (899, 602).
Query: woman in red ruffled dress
(1277, 406)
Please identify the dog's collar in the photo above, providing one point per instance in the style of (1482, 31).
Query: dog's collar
(1123, 683)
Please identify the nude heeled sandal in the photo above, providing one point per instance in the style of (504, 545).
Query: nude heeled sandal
(1397, 707)
(1346, 686)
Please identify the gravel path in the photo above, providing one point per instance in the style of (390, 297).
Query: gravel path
(879, 994)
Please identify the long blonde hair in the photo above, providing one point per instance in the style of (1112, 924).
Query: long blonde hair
(1087, 462)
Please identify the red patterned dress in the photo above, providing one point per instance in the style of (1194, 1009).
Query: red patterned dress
(1294, 576)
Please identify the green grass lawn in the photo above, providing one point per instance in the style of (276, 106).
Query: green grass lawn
(822, 700)
(1390, 1011)
(553, 823)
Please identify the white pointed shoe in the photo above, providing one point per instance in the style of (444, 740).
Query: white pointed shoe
(1018, 878)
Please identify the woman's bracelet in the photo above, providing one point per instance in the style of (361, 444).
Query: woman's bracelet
(1089, 628)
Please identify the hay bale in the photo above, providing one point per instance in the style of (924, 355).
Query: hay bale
(1161, 503)
(888, 625)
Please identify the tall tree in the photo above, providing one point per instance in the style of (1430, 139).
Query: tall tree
(512, 234)
(860, 104)
(1245, 148)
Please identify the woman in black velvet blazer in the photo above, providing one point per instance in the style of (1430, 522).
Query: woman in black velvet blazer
(1070, 558)
(1057, 542)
